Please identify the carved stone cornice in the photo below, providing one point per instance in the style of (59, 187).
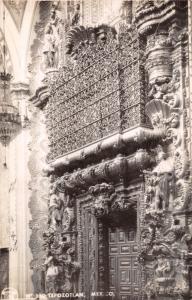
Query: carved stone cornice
(41, 96)
(152, 13)
(107, 171)
(42, 93)
(134, 138)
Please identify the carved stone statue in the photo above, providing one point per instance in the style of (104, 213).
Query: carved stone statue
(49, 48)
(164, 269)
(55, 211)
(52, 39)
(71, 267)
(159, 190)
(51, 274)
(76, 16)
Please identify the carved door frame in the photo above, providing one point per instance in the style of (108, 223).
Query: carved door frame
(94, 273)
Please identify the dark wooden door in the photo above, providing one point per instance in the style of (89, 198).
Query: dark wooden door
(4, 269)
(124, 274)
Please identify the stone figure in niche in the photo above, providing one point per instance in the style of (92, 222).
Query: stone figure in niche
(51, 274)
(76, 16)
(55, 211)
(52, 38)
(164, 174)
(68, 213)
(54, 19)
(49, 48)
(159, 190)
(71, 268)
(164, 269)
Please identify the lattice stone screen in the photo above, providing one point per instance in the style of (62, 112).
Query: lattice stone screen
(98, 95)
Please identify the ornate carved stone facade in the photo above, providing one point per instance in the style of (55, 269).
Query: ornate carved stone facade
(117, 112)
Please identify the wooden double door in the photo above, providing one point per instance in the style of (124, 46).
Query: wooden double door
(124, 271)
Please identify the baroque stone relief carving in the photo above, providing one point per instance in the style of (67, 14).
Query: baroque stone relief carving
(164, 240)
(106, 200)
(60, 265)
(107, 171)
(160, 185)
(38, 188)
(164, 247)
(52, 38)
(60, 238)
(153, 12)
(55, 34)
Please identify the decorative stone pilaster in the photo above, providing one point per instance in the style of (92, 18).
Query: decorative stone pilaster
(164, 250)
(61, 267)
(17, 165)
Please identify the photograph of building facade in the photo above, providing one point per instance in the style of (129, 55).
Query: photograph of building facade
(95, 143)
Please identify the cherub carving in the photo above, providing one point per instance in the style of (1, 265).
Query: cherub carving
(164, 268)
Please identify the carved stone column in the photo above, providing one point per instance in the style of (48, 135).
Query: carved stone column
(158, 64)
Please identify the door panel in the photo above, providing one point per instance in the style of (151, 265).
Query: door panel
(123, 265)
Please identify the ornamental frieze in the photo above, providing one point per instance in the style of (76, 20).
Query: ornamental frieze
(109, 171)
